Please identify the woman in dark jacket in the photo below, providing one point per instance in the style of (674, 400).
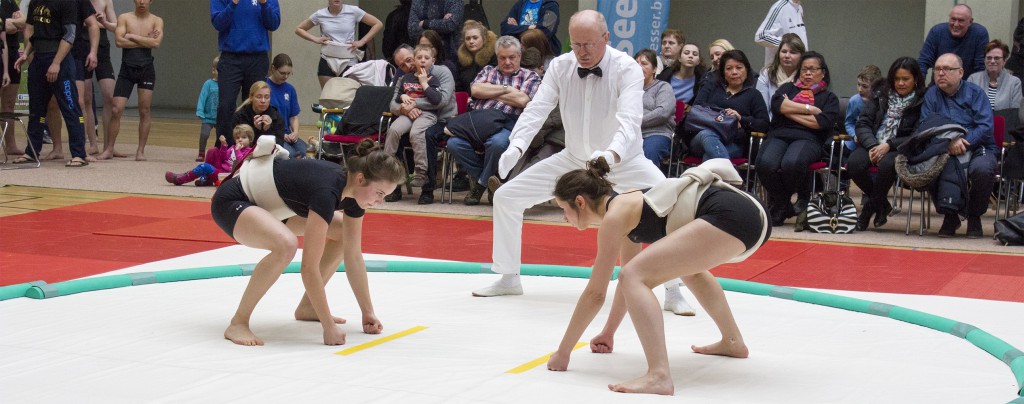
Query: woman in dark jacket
(684, 75)
(731, 89)
(257, 112)
(889, 118)
(476, 51)
(803, 114)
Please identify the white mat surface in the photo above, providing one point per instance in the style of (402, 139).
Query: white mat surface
(163, 343)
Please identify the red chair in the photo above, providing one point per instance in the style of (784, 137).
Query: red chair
(447, 160)
(673, 160)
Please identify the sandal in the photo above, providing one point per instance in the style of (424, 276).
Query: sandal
(24, 158)
(76, 162)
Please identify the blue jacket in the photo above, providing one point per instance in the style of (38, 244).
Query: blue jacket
(244, 27)
(969, 108)
(548, 18)
(206, 106)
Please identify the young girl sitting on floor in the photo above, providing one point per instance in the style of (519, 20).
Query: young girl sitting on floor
(219, 160)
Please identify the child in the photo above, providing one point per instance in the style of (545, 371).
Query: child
(219, 160)
(414, 85)
(867, 76)
(206, 108)
(284, 97)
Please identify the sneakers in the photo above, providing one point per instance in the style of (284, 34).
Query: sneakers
(426, 198)
(417, 180)
(974, 227)
(949, 225)
(394, 196)
(499, 290)
(493, 183)
(476, 191)
(460, 183)
(679, 306)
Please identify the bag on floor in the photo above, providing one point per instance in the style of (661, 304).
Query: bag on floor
(1010, 231)
(831, 212)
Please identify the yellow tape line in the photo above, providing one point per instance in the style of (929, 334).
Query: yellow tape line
(371, 344)
(541, 360)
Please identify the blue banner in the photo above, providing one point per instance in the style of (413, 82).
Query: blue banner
(635, 24)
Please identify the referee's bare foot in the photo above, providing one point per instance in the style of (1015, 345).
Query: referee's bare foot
(242, 335)
(732, 348)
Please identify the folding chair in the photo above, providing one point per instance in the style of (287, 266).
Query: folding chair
(1009, 190)
(7, 117)
(674, 160)
(447, 159)
(367, 117)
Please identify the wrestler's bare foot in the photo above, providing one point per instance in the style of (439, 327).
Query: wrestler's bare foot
(306, 313)
(733, 348)
(90, 159)
(54, 155)
(646, 384)
(242, 335)
(119, 155)
(106, 155)
(140, 157)
(334, 336)
(14, 152)
(92, 150)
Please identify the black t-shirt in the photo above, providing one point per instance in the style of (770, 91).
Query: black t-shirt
(314, 185)
(48, 18)
(7, 9)
(81, 47)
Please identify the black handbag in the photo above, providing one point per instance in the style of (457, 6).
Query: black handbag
(1010, 231)
(477, 125)
(701, 117)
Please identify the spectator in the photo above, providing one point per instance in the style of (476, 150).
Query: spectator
(432, 39)
(85, 53)
(715, 50)
(285, 99)
(507, 88)
(1015, 63)
(782, 69)
(1002, 88)
(659, 121)
(13, 20)
(206, 109)
(476, 51)
(685, 73)
(104, 71)
(338, 23)
(442, 16)
(541, 15)
(865, 79)
(966, 105)
(889, 118)
(396, 28)
(784, 17)
(803, 115)
(243, 37)
(219, 160)
(403, 59)
(960, 36)
(732, 90)
(672, 41)
(534, 38)
(257, 112)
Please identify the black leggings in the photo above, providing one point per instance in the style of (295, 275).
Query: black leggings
(782, 168)
(875, 186)
(227, 205)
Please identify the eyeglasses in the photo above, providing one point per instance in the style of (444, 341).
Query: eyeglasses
(811, 69)
(585, 46)
(945, 70)
(993, 58)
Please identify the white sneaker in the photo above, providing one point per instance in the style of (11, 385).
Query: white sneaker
(679, 307)
(499, 290)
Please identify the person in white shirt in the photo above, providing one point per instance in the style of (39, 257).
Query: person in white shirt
(599, 91)
(783, 17)
(338, 23)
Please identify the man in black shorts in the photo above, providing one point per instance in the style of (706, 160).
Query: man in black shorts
(11, 17)
(104, 71)
(137, 33)
(84, 52)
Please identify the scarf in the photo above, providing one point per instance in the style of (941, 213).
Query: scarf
(806, 94)
(893, 116)
(781, 77)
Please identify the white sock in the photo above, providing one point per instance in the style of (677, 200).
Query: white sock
(508, 280)
(672, 293)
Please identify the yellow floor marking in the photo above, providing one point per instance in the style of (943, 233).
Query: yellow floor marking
(541, 360)
(371, 344)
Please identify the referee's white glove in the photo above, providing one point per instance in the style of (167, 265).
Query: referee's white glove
(607, 154)
(508, 160)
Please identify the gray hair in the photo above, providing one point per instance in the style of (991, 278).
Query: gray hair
(508, 41)
(400, 47)
(595, 17)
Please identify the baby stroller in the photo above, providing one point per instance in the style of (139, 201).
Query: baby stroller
(368, 116)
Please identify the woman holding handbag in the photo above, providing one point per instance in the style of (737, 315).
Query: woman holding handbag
(803, 114)
(732, 91)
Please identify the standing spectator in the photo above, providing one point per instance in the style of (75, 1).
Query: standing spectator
(672, 41)
(782, 69)
(533, 14)
(1002, 88)
(432, 39)
(960, 36)
(507, 88)
(396, 28)
(104, 71)
(732, 90)
(1016, 60)
(84, 51)
(206, 109)
(284, 97)
(865, 79)
(442, 16)
(338, 23)
(784, 17)
(243, 37)
(659, 121)
(12, 18)
(476, 51)
(684, 75)
(966, 105)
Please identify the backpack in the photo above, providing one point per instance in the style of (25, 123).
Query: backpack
(1010, 231)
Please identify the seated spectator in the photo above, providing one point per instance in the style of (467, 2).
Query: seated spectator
(432, 39)
(889, 117)
(506, 88)
(338, 23)
(685, 73)
(284, 97)
(403, 59)
(659, 123)
(803, 115)
(732, 90)
(966, 105)
(865, 79)
(476, 51)
(962, 36)
(1003, 89)
(672, 41)
(441, 16)
(219, 160)
(715, 50)
(782, 69)
(427, 94)
(528, 15)
(257, 112)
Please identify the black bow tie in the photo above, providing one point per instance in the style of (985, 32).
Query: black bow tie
(586, 72)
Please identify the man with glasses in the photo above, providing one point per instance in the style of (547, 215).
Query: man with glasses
(966, 105)
(960, 36)
(600, 94)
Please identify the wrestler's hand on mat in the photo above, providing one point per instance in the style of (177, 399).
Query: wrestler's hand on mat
(558, 362)
(608, 155)
(371, 325)
(333, 335)
(508, 160)
(602, 343)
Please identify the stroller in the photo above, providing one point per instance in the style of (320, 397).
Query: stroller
(368, 116)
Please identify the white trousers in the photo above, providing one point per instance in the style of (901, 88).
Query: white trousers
(536, 184)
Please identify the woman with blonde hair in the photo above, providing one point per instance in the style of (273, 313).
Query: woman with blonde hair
(476, 51)
(715, 51)
(257, 112)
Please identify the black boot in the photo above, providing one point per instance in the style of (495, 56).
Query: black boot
(865, 216)
(974, 227)
(949, 225)
(883, 215)
(394, 196)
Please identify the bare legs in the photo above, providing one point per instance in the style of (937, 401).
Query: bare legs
(688, 252)
(85, 100)
(145, 119)
(8, 96)
(116, 110)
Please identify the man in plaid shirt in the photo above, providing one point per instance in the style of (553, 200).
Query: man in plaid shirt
(507, 88)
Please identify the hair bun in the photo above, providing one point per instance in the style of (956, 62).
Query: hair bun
(598, 167)
(367, 146)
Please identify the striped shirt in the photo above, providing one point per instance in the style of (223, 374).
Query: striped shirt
(992, 95)
(523, 80)
(783, 17)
